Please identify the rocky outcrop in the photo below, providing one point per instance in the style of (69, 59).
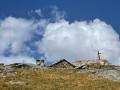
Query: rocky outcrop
(99, 67)
(26, 66)
(6, 70)
(110, 72)
(85, 63)
(10, 69)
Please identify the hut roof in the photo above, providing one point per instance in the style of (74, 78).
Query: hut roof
(60, 61)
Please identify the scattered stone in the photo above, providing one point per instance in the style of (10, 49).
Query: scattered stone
(7, 70)
(17, 82)
(10, 69)
(70, 71)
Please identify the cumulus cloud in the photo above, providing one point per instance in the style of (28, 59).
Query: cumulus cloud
(80, 40)
(15, 33)
(20, 38)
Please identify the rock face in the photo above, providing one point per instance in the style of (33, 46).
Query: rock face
(99, 67)
(62, 64)
(111, 72)
(90, 62)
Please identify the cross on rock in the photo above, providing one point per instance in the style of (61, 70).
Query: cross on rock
(98, 55)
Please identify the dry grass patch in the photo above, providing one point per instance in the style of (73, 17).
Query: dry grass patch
(52, 79)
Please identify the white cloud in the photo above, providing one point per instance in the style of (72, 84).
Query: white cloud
(80, 40)
(58, 15)
(15, 32)
(17, 59)
(38, 11)
(73, 41)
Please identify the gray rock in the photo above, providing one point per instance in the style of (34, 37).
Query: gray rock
(16, 82)
(90, 62)
(7, 70)
(70, 71)
(110, 73)
(26, 66)
(10, 69)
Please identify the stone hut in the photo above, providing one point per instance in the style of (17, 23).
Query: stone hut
(62, 64)
(38, 62)
(42, 63)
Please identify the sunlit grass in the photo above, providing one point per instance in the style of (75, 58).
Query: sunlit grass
(61, 79)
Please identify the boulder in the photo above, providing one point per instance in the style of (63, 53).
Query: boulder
(16, 82)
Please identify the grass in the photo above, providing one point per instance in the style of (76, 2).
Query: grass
(57, 79)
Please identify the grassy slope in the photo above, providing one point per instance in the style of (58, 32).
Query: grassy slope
(59, 79)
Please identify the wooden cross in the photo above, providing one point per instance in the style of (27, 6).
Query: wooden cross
(98, 55)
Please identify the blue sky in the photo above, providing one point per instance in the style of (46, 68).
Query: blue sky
(106, 10)
(102, 14)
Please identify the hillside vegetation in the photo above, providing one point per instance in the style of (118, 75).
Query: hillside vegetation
(57, 79)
